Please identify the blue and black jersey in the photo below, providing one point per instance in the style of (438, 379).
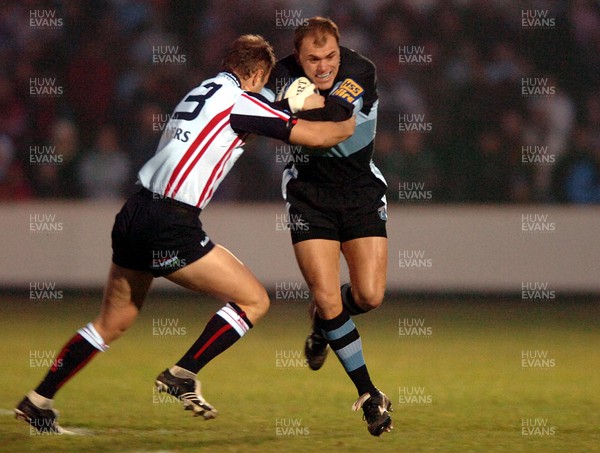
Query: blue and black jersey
(354, 91)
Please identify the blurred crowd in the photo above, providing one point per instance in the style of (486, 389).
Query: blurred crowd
(480, 101)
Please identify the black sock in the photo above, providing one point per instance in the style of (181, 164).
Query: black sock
(348, 301)
(78, 351)
(225, 328)
(345, 341)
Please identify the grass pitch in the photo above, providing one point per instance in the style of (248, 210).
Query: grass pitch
(480, 376)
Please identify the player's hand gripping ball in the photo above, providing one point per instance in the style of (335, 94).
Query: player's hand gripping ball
(296, 92)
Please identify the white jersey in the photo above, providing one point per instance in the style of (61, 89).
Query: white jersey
(204, 138)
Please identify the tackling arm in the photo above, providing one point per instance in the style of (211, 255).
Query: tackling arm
(254, 114)
(321, 134)
(332, 111)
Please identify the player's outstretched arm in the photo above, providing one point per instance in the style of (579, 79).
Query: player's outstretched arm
(321, 134)
(255, 115)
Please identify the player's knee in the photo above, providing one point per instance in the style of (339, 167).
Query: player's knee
(256, 306)
(263, 303)
(369, 298)
(326, 299)
(111, 331)
(113, 323)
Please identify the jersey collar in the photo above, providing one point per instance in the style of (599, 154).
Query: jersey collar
(231, 77)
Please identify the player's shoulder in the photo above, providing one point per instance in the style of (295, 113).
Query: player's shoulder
(353, 63)
(285, 70)
(224, 79)
(223, 88)
(249, 95)
(289, 65)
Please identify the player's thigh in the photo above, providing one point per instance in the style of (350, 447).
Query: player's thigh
(123, 298)
(367, 264)
(220, 274)
(319, 262)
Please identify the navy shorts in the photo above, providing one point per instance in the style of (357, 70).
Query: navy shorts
(159, 235)
(339, 212)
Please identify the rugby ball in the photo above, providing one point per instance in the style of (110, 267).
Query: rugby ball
(294, 88)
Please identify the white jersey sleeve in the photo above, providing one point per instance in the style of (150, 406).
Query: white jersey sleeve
(204, 138)
(252, 113)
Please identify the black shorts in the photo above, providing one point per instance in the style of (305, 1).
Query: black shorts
(160, 235)
(339, 212)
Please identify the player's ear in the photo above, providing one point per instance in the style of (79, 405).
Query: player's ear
(257, 77)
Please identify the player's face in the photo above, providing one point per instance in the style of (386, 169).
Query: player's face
(320, 64)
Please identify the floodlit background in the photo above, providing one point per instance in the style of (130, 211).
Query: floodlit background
(489, 138)
(482, 101)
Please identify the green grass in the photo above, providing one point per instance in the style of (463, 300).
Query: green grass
(469, 368)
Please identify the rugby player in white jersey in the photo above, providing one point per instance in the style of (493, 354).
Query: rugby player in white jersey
(158, 232)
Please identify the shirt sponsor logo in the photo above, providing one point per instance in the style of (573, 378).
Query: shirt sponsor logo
(349, 91)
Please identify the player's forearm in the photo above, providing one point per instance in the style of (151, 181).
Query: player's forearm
(332, 111)
(321, 134)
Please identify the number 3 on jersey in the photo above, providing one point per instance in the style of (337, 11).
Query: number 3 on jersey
(200, 99)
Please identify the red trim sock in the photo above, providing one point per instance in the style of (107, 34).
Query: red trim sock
(226, 327)
(78, 351)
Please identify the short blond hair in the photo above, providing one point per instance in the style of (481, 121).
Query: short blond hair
(247, 54)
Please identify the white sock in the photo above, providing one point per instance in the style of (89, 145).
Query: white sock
(182, 373)
(92, 336)
(40, 401)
